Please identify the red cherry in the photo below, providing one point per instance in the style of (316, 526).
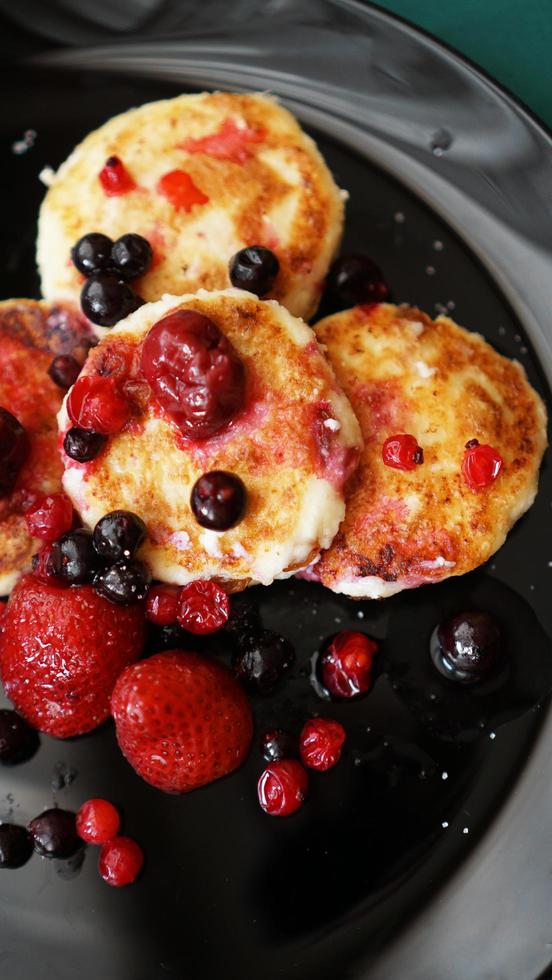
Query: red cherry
(98, 405)
(203, 607)
(121, 861)
(402, 452)
(178, 187)
(481, 465)
(97, 821)
(347, 664)
(50, 517)
(162, 604)
(115, 178)
(282, 787)
(321, 742)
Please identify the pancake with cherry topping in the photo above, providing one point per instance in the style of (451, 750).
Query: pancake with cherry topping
(241, 172)
(294, 443)
(31, 335)
(406, 374)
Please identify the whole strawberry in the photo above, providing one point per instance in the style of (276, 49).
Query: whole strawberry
(61, 652)
(181, 720)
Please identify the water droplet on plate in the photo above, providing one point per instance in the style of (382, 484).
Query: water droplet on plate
(440, 141)
(399, 217)
(430, 270)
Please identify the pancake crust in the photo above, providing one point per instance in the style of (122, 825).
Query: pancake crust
(294, 445)
(405, 373)
(31, 334)
(264, 178)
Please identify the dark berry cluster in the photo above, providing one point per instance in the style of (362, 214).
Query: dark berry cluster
(109, 267)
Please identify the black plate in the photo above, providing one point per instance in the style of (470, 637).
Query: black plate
(425, 852)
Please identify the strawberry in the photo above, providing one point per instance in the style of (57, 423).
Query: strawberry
(61, 651)
(181, 720)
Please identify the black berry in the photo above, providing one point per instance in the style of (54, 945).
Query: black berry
(118, 535)
(106, 299)
(92, 253)
(14, 448)
(255, 269)
(131, 256)
(18, 741)
(73, 557)
(54, 833)
(262, 659)
(277, 744)
(83, 444)
(64, 371)
(16, 845)
(467, 646)
(218, 500)
(355, 279)
(124, 583)
(244, 618)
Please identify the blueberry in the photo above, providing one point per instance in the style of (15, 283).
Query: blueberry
(124, 583)
(83, 444)
(255, 269)
(355, 279)
(131, 256)
(218, 500)
(262, 659)
(92, 253)
(18, 741)
(14, 448)
(64, 371)
(118, 535)
(277, 744)
(467, 646)
(106, 299)
(54, 833)
(16, 845)
(73, 557)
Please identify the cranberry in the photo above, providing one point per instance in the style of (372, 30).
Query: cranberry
(179, 189)
(346, 664)
(118, 535)
(97, 821)
(44, 563)
(73, 557)
(277, 744)
(18, 741)
(194, 373)
(282, 787)
(97, 404)
(255, 269)
(261, 660)
(50, 517)
(14, 449)
(321, 742)
(481, 465)
(106, 299)
(162, 604)
(402, 452)
(121, 861)
(218, 500)
(467, 646)
(355, 279)
(64, 371)
(54, 834)
(124, 583)
(92, 254)
(83, 445)
(131, 256)
(16, 846)
(115, 178)
(203, 607)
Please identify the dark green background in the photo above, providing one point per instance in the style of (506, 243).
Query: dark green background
(510, 39)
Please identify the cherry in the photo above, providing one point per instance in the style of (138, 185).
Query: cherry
(321, 742)
(481, 465)
(218, 500)
(16, 846)
(282, 787)
(98, 404)
(467, 646)
(54, 833)
(203, 607)
(50, 517)
(18, 741)
(97, 821)
(179, 189)
(14, 449)
(355, 279)
(115, 178)
(162, 604)
(346, 664)
(402, 452)
(121, 861)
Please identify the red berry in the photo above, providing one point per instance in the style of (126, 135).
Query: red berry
(179, 189)
(402, 452)
(481, 465)
(162, 604)
(194, 373)
(203, 607)
(98, 404)
(321, 742)
(282, 787)
(115, 178)
(43, 566)
(347, 664)
(121, 861)
(50, 517)
(62, 650)
(181, 720)
(97, 821)
(229, 142)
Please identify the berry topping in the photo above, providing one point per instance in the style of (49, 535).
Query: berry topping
(162, 604)
(106, 299)
(18, 741)
(402, 452)
(118, 535)
(194, 373)
(181, 720)
(115, 178)
(61, 652)
(131, 255)
(262, 659)
(14, 448)
(16, 845)
(64, 371)
(98, 405)
(54, 833)
(121, 861)
(346, 664)
(467, 646)
(282, 787)
(321, 742)
(179, 189)
(92, 254)
(228, 143)
(49, 517)
(355, 279)
(218, 500)
(44, 565)
(277, 744)
(73, 557)
(203, 607)
(97, 821)
(244, 618)
(255, 269)
(124, 583)
(481, 465)
(83, 445)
